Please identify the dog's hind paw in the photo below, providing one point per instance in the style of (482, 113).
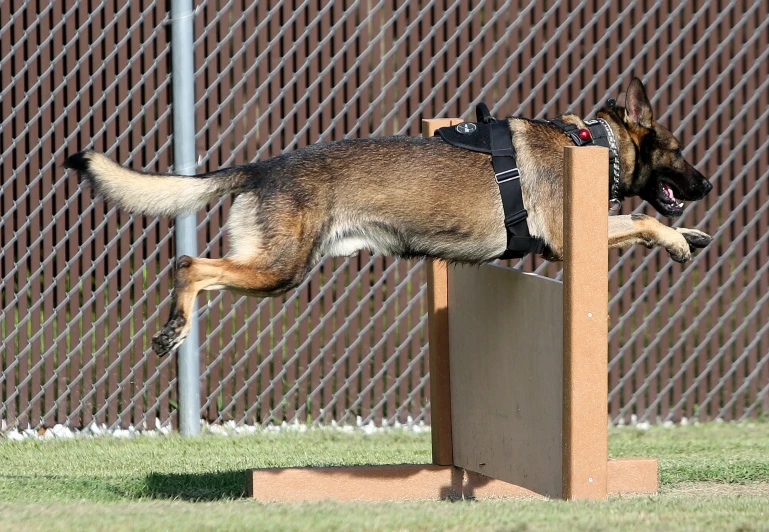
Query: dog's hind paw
(695, 238)
(170, 337)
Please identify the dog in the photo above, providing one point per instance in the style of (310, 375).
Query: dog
(401, 196)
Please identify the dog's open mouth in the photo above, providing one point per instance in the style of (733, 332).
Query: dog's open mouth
(667, 203)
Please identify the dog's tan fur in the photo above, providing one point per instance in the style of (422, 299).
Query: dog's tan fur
(398, 196)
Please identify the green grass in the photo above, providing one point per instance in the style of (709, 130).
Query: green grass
(711, 477)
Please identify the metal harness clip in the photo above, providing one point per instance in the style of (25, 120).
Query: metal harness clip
(513, 173)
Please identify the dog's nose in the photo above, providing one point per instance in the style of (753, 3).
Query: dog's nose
(708, 188)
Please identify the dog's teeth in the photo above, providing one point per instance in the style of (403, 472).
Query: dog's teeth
(680, 205)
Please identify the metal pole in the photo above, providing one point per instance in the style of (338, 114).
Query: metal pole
(183, 82)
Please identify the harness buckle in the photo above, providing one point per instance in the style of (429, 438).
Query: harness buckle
(507, 175)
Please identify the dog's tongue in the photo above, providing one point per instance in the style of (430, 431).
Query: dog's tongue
(669, 193)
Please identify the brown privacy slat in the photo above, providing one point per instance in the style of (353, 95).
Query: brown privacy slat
(327, 359)
(638, 352)
(142, 269)
(629, 327)
(165, 256)
(387, 103)
(351, 335)
(616, 311)
(704, 111)
(156, 300)
(240, 353)
(664, 99)
(377, 330)
(337, 90)
(56, 364)
(17, 158)
(474, 74)
(323, 59)
(739, 374)
(264, 352)
(120, 393)
(415, 348)
(390, 343)
(40, 404)
(313, 409)
(8, 380)
(455, 66)
(365, 344)
(762, 166)
(338, 349)
(401, 394)
(698, 115)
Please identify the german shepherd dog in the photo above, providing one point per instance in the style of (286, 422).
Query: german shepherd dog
(402, 196)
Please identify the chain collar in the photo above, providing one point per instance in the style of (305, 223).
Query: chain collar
(614, 189)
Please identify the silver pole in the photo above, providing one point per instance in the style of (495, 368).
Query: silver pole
(183, 82)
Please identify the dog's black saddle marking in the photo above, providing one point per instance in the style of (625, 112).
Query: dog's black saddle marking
(490, 135)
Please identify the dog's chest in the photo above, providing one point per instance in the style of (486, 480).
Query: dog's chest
(347, 241)
(345, 246)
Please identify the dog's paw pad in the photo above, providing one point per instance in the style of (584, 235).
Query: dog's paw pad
(680, 254)
(168, 339)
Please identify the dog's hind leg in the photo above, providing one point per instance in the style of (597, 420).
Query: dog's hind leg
(641, 229)
(196, 274)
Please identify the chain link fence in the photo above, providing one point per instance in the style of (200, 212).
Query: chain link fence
(84, 287)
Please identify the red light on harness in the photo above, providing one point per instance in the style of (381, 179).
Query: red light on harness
(584, 134)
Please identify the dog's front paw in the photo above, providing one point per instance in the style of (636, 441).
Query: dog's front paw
(170, 337)
(695, 238)
(678, 247)
(686, 242)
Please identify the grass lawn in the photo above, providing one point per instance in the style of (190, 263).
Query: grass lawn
(711, 476)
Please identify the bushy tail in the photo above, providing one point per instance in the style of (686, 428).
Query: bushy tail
(153, 194)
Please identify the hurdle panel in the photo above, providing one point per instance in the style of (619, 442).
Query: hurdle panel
(506, 355)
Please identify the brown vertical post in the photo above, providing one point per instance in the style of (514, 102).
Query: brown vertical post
(438, 323)
(440, 383)
(585, 353)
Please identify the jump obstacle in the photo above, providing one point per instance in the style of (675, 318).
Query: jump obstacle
(518, 378)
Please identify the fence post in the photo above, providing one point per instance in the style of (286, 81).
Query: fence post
(183, 82)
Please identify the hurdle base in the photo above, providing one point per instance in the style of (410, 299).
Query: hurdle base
(420, 482)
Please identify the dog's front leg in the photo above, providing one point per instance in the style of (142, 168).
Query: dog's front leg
(641, 229)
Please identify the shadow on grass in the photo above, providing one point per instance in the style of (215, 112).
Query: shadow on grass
(196, 486)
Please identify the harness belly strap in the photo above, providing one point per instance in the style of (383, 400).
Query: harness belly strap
(508, 178)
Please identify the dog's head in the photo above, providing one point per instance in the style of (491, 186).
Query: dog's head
(661, 175)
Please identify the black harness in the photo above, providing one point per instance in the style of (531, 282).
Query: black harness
(491, 135)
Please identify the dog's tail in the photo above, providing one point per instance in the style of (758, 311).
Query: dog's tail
(153, 194)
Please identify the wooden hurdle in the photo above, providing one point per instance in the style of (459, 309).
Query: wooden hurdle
(518, 378)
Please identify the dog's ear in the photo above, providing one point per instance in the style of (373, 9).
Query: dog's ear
(638, 110)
